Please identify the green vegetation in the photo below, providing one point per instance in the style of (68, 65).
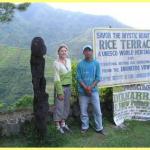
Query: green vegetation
(16, 75)
(8, 9)
(1, 105)
(136, 134)
(22, 103)
(74, 81)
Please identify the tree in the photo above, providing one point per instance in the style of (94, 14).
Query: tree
(7, 10)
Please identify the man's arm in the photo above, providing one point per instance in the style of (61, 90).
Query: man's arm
(97, 76)
(79, 79)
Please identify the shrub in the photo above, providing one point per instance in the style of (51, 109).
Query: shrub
(23, 102)
(74, 81)
(1, 105)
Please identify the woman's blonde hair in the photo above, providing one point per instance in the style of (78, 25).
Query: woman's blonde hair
(62, 46)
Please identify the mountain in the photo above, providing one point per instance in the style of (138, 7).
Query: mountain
(54, 25)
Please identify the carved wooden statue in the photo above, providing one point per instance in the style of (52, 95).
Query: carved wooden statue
(40, 101)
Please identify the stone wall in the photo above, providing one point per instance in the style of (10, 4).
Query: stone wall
(11, 122)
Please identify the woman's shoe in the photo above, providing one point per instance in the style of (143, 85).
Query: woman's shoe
(60, 130)
(66, 128)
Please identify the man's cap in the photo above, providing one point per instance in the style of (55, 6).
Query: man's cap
(87, 47)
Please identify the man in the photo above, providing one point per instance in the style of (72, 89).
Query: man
(88, 75)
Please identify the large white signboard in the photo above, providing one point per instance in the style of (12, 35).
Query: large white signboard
(124, 55)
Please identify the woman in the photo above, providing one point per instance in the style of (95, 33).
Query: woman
(62, 82)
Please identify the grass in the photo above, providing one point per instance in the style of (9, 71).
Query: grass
(136, 134)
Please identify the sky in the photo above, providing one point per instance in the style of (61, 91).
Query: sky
(136, 15)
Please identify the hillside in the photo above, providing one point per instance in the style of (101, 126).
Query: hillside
(54, 25)
(16, 76)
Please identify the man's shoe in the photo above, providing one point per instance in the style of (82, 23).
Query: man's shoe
(84, 130)
(103, 132)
